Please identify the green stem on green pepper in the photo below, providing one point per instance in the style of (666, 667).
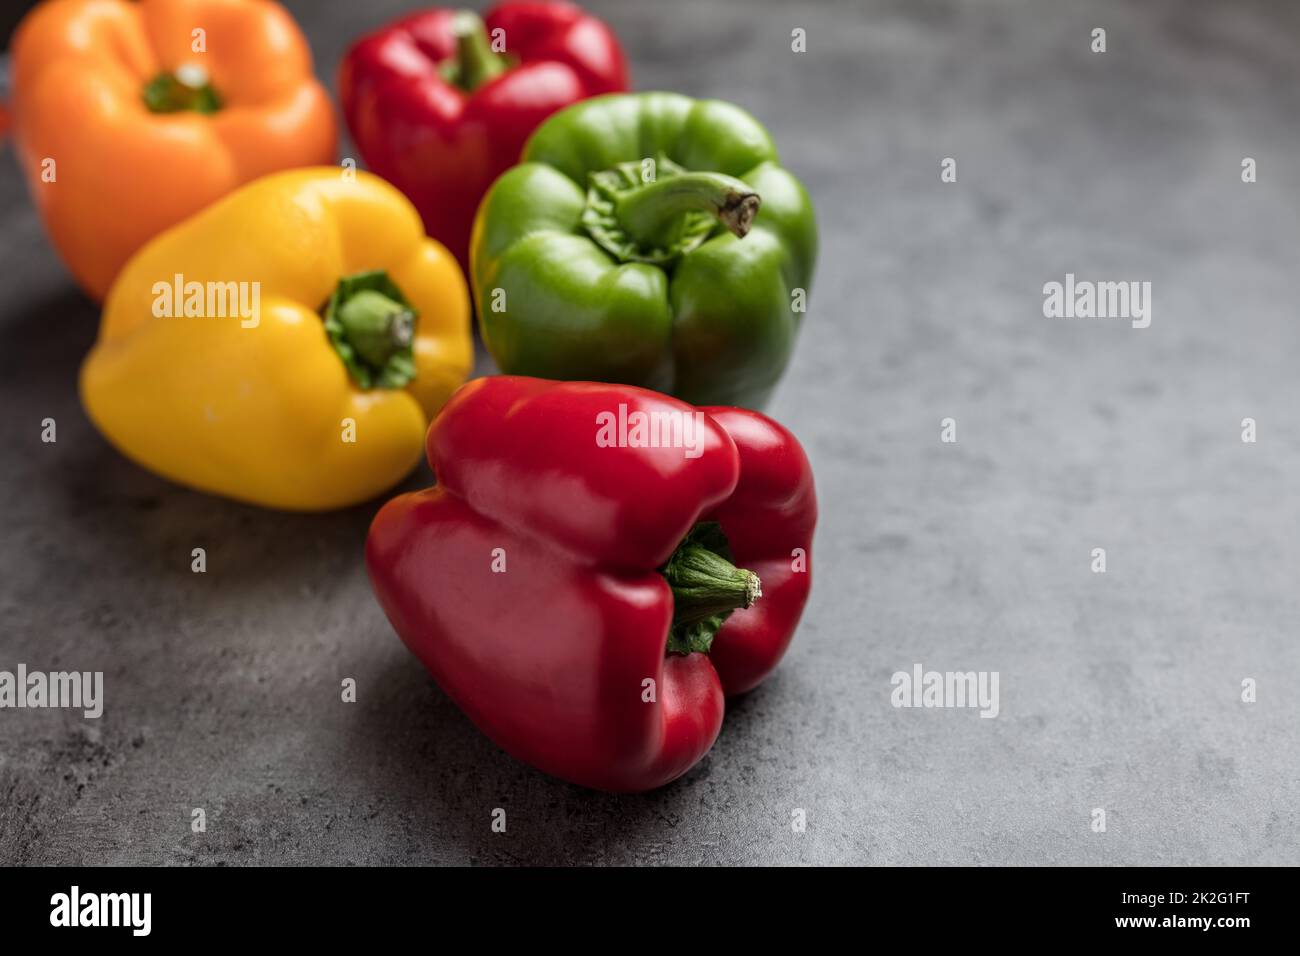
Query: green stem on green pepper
(651, 214)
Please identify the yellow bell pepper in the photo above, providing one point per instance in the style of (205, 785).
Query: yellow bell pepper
(287, 346)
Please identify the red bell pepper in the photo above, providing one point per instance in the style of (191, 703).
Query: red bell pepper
(439, 113)
(589, 600)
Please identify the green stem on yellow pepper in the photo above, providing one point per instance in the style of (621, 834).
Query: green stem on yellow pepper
(372, 327)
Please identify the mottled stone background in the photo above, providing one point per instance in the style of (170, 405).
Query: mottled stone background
(1118, 690)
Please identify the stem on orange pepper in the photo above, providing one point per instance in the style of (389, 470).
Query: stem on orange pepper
(185, 89)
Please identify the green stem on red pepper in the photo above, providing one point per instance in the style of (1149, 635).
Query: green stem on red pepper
(707, 587)
(476, 62)
(372, 327)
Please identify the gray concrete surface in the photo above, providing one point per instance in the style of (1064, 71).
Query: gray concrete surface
(1119, 691)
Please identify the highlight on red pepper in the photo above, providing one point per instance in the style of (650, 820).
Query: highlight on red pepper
(597, 569)
(440, 102)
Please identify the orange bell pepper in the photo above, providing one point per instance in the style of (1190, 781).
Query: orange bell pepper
(130, 117)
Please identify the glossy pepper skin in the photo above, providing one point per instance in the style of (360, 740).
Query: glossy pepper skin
(649, 239)
(435, 111)
(529, 582)
(253, 403)
(134, 150)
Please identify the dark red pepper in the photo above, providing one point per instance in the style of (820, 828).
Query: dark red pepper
(588, 606)
(438, 113)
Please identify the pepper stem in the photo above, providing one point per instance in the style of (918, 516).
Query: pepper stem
(706, 588)
(376, 326)
(651, 214)
(372, 327)
(186, 89)
(476, 62)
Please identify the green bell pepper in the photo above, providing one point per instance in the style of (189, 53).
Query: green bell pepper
(647, 239)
